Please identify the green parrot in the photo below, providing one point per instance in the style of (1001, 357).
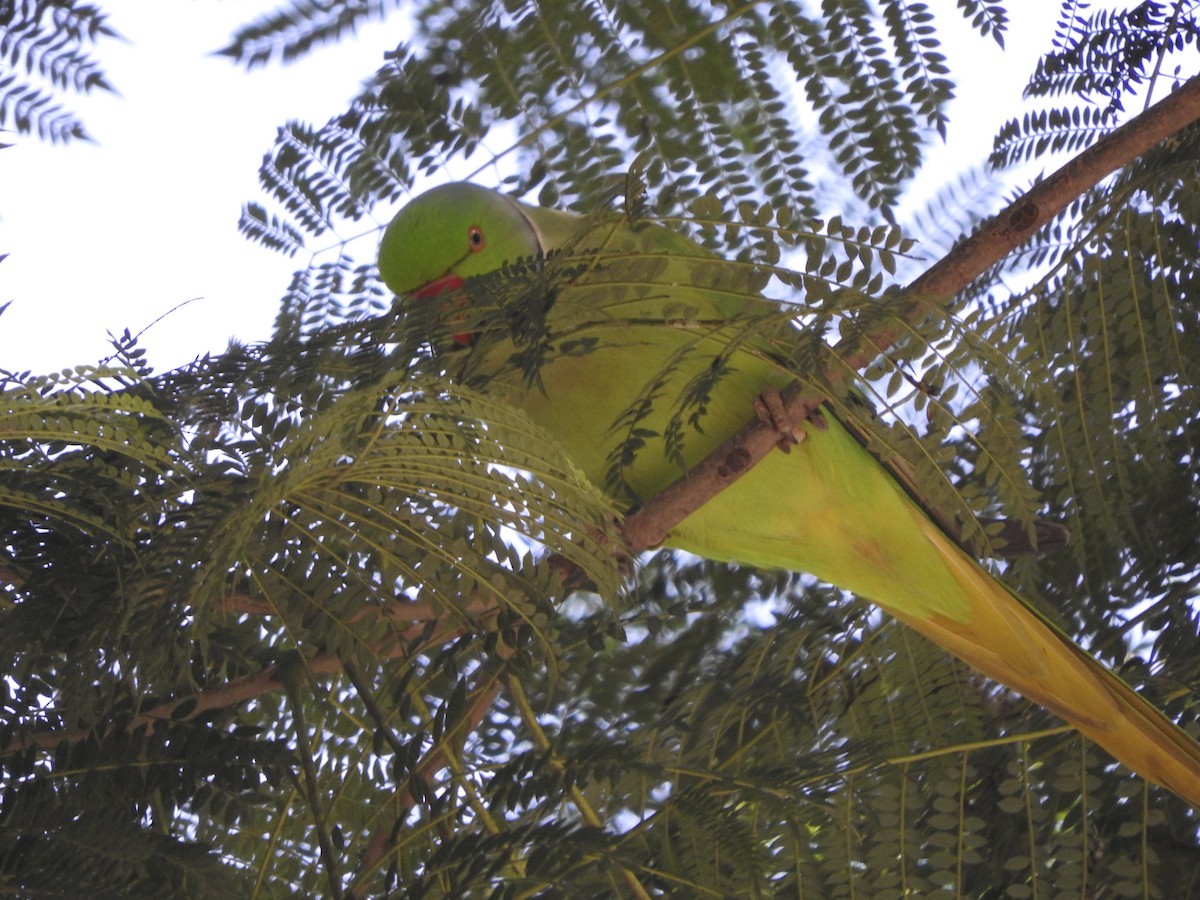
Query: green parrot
(616, 336)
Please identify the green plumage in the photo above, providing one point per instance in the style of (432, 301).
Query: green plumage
(645, 316)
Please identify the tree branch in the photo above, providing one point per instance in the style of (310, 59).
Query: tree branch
(649, 526)
(230, 694)
(402, 610)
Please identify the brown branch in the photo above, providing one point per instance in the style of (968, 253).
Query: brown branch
(11, 577)
(1002, 234)
(240, 602)
(230, 694)
(403, 610)
(648, 527)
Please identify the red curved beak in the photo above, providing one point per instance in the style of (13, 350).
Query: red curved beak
(438, 286)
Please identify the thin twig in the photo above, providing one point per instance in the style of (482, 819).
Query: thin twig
(290, 677)
(437, 759)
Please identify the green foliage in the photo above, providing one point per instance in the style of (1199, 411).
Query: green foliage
(49, 39)
(594, 84)
(292, 32)
(262, 474)
(1108, 54)
(1104, 57)
(316, 617)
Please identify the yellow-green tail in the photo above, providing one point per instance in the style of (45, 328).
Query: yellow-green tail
(1011, 643)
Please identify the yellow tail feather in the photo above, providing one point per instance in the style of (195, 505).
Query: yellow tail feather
(1011, 643)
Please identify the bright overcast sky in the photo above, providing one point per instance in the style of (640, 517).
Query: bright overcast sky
(113, 235)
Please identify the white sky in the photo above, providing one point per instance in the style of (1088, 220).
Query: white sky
(112, 235)
(107, 236)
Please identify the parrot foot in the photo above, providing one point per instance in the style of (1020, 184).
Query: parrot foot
(768, 406)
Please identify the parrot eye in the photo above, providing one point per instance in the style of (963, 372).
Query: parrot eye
(475, 238)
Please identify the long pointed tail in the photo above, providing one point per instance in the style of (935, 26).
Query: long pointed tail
(1010, 642)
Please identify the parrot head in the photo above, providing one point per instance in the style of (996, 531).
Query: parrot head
(450, 233)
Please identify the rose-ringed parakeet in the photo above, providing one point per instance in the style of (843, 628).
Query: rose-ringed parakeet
(612, 343)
